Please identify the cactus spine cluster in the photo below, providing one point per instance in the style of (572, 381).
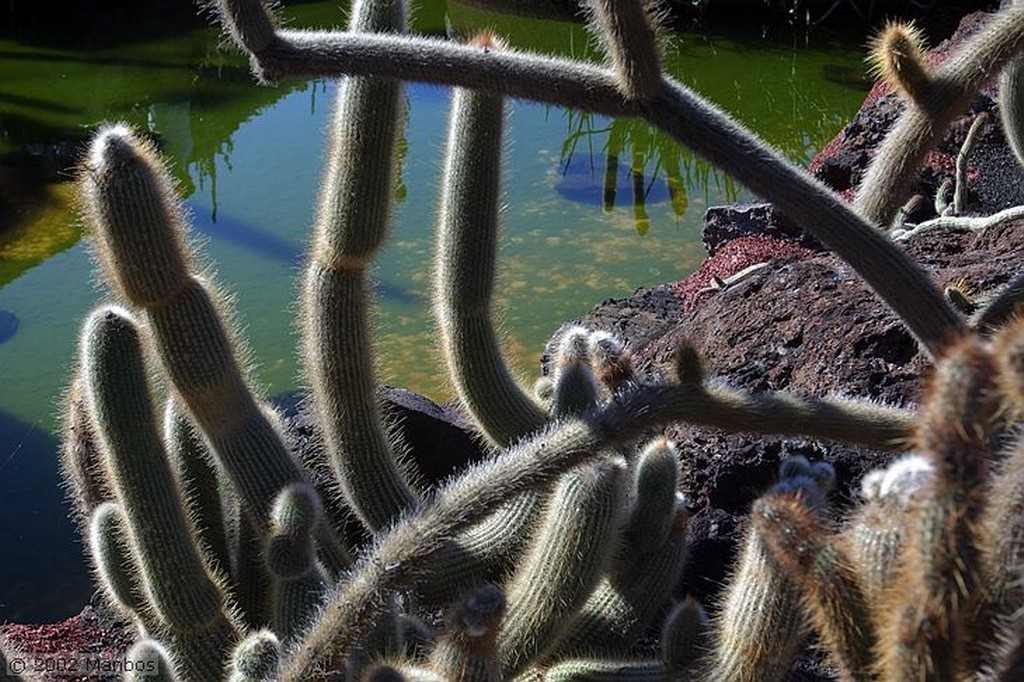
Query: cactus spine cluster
(556, 556)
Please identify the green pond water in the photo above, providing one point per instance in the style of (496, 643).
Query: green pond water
(595, 208)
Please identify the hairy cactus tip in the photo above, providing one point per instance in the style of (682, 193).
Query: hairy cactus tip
(134, 216)
(897, 56)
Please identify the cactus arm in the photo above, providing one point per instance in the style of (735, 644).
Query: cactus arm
(628, 31)
(675, 109)
(571, 547)
(116, 568)
(189, 603)
(466, 254)
(195, 468)
(829, 585)
(351, 225)
(299, 582)
(139, 230)
(951, 89)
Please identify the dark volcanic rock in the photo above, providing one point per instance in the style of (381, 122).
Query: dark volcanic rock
(807, 325)
(724, 223)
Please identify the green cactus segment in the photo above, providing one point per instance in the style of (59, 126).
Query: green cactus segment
(252, 584)
(759, 628)
(466, 252)
(606, 670)
(571, 548)
(941, 578)
(300, 583)
(467, 649)
(351, 224)
(117, 569)
(654, 507)
(200, 482)
(81, 462)
(621, 609)
(135, 217)
(256, 658)
(250, 23)
(486, 551)
(576, 387)
(149, 661)
(197, 353)
(685, 635)
(339, 363)
(139, 230)
(827, 580)
(187, 601)
(984, 54)
(626, 27)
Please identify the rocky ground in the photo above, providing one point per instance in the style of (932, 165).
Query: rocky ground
(801, 321)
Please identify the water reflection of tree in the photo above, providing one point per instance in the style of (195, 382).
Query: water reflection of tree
(653, 157)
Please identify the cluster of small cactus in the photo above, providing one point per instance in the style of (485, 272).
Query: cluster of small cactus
(555, 557)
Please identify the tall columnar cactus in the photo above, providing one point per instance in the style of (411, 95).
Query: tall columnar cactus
(601, 561)
(351, 223)
(139, 231)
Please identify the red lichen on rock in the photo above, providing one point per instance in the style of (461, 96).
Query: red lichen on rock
(732, 257)
(86, 647)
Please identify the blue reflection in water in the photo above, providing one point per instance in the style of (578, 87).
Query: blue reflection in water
(8, 325)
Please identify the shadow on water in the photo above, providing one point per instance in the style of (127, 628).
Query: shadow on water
(251, 238)
(40, 544)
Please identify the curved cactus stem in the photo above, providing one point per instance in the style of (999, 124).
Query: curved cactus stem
(465, 262)
(351, 225)
(895, 278)
(404, 553)
(953, 85)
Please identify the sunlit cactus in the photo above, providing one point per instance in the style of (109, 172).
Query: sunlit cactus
(225, 549)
